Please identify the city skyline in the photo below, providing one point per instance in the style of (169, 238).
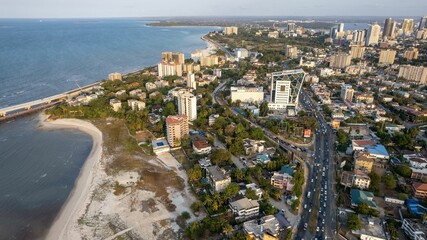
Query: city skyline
(133, 8)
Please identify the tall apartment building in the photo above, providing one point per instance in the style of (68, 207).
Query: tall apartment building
(408, 26)
(373, 34)
(191, 80)
(347, 92)
(291, 51)
(387, 56)
(191, 67)
(357, 51)
(411, 53)
(291, 27)
(115, 76)
(388, 28)
(209, 61)
(176, 129)
(340, 60)
(341, 27)
(175, 57)
(423, 23)
(169, 69)
(413, 73)
(285, 88)
(359, 37)
(231, 30)
(187, 105)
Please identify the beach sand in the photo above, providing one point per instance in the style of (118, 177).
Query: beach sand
(81, 192)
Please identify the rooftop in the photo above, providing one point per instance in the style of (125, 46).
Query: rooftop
(216, 173)
(171, 120)
(244, 203)
(371, 227)
(419, 186)
(287, 169)
(378, 150)
(268, 224)
(358, 196)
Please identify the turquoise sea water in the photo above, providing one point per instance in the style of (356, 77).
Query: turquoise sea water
(38, 168)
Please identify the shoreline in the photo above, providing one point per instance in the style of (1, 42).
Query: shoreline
(80, 194)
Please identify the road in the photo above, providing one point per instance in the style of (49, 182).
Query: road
(319, 198)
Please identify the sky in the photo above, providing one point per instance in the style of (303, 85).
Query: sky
(170, 8)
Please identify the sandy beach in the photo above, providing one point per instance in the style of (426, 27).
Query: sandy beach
(81, 192)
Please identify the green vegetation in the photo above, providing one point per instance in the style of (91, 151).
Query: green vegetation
(343, 139)
(364, 209)
(353, 222)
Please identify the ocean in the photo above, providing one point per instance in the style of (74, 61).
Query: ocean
(40, 58)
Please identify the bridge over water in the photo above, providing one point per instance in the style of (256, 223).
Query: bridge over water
(24, 108)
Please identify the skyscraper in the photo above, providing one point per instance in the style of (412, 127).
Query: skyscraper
(373, 34)
(423, 23)
(359, 37)
(291, 27)
(333, 32)
(388, 25)
(408, 26)
(191, 80)
(175, 57)
(341, 27)
(285, 88)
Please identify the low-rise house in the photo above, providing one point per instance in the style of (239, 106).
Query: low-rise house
(212, 119)
(283, 178)
(243, 187)
(363, 162)
(419, 174)
(138, 93)
(253, 146)
(244, 208)
(205, 162)
(217, 178)
(120, 93)
(150, 86)
(266, 228)
(201, 146)
(419, 190)
(392, 200)
(361, 179)
(116, 104)
(136, 105)
(359, 196)
(371, 229)
(360, 145)
(263, 158)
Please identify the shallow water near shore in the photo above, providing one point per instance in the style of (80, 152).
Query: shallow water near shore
(38, 169)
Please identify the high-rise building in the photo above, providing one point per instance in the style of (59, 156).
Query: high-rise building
(357, 51)
(387, 56)
(413, 73)
(393, 30)
(176, 129)
(423, 23)
(347, 92)
(191, 80)
(388, 25)
(291, 51)
(340, 60)
(359, 37)
(208, 61)
(333, 32)
(411, 53)
(291, 27)
(169, 69)
(115, 76)
(373, 34)
(285, 88)
(231, 30)
(341, 27)
(187, 105)
(174, 57)
(408, 26)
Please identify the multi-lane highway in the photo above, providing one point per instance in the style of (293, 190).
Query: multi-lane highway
(318, 218)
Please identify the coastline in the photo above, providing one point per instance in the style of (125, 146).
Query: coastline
(79, 196)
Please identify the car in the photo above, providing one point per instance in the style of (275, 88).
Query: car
(305, 206)
(317, 229)
(323, 229)
(305, 226)
(309, 210)
(323, 221)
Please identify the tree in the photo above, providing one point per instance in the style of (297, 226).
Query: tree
(403, 170)
(389, 181)
(343, 139)
(257, 134)
(195, 173)
(295, 204)
(250, 193)
(231, 190)
(169, 109)
(353, 222)
(221, 157)
(263, 109)
(375, 182)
